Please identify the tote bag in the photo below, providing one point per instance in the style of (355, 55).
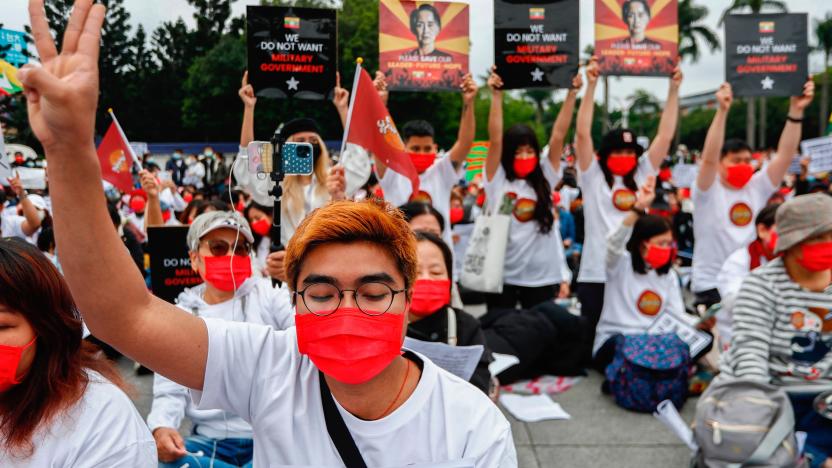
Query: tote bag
(482, 267)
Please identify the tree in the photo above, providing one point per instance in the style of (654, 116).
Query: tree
(754, 6)
(115, 59)
(538, 97)
(692, 31)
(211, 18)
(823, 33)
(643, 110)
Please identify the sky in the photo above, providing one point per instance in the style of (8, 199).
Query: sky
(705, 75)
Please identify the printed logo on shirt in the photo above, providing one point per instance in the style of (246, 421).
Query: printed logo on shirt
(741, 214)
(623, 199)
(810, 346)
(649, 303)
(422, 197)
(524, 210)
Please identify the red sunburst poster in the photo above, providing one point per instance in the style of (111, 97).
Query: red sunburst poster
(637, 37)
(423, 45)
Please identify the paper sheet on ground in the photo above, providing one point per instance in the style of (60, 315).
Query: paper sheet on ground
(667, 414)
(545, 384)
(697, 340)
(532, 408)
(458, 360)
(502, 362)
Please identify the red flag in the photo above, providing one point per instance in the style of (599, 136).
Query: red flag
(115, 159)
(370, 126)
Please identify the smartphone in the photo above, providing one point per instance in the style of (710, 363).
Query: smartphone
(297, 158)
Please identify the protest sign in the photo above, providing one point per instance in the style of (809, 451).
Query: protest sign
(170, 266)
(32, 178)
(820, 152)
(684, 175)
(292, 52)
(13, 47)
(423, 46)
(637, 37)
(9, 83)
(767, 54)
(536, 43)
(667, 322)
(460, 361)
(795, 166)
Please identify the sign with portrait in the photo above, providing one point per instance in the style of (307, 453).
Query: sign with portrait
(423, 46)
(637, 37)
(536, 43)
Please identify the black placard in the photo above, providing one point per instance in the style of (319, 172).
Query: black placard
(536, 43)
(767, 54)
(170, 266)
(292, 52)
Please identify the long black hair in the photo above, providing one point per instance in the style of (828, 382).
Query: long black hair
(447, 256)
(515, 137)
(267, 210)
(646, 227)
(414, 209)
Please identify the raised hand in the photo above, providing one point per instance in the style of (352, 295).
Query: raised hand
(341, 97)
(275, 265)
(646, 194)
(800, 103)
(724, 96)
(469, 89)
(246, 92)
(593, 71)
(577, 82)
(336, 183)
(676, 78)
(380, 82)
(16, 185)
(494, 81)
(62, 95)
(149, 184)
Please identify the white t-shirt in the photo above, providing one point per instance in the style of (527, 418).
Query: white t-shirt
(532, 259)
(604, 210)
(633, 301)
(102, 429)
(11, 225)
(723, 222)
(259, 374)
(435, 186)
(733, 272)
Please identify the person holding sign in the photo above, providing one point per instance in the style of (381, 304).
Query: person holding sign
(641, 282)
(25, 221)
(284, 383)
(728, 194)
(782, 323)
(609, 184)
(519, 181)
(219, 244)
(438, 172)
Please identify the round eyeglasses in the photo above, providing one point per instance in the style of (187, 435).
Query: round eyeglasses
(322, 299)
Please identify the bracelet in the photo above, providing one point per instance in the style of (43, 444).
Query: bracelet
(792, 119)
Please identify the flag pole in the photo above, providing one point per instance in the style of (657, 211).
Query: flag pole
(358, 63)
(135, 158)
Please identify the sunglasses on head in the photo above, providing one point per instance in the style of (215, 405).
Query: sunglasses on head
(220, 248)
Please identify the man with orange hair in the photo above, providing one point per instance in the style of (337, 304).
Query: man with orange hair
(338, 390)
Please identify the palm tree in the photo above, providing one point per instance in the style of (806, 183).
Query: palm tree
(823, 31)
(754, 6)
(692, 31)
(642, 105)
(538, 97)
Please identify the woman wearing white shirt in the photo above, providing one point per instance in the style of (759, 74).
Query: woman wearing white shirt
(518, 181)
(61, 402)
(609, 183)
(641, 283)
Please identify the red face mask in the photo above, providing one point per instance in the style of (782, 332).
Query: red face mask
(556, 198)
(772, 242)
(262, 227)
(188, 197)
(481, 199)
(622, 165)
(524, 167)
(137, 204)
(422, 161)
(226, 273)
(349, 345)
(166, 216)
(665, 174)
(379, 193)
(657, 257)
(817, 256)
(738, 175)
(457, 215)
(9, 360)
(429, 296)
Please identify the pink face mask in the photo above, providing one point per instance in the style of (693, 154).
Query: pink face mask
(9, 361)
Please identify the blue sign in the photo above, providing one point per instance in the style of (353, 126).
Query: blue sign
(16, 54)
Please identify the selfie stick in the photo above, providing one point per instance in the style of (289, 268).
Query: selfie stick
(276, 175)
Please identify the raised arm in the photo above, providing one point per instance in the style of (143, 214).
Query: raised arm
(467, 122)
(617, 240)
(584, 149)
(246, 93)
(33, 221)
(709, 166)
(787, 148)
(667, 125)
(561, 126)
(61, 97)
(495, 125)
(341, 100)
(153, 212)
(381, 86)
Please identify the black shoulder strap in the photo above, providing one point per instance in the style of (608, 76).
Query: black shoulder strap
(338, 431)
